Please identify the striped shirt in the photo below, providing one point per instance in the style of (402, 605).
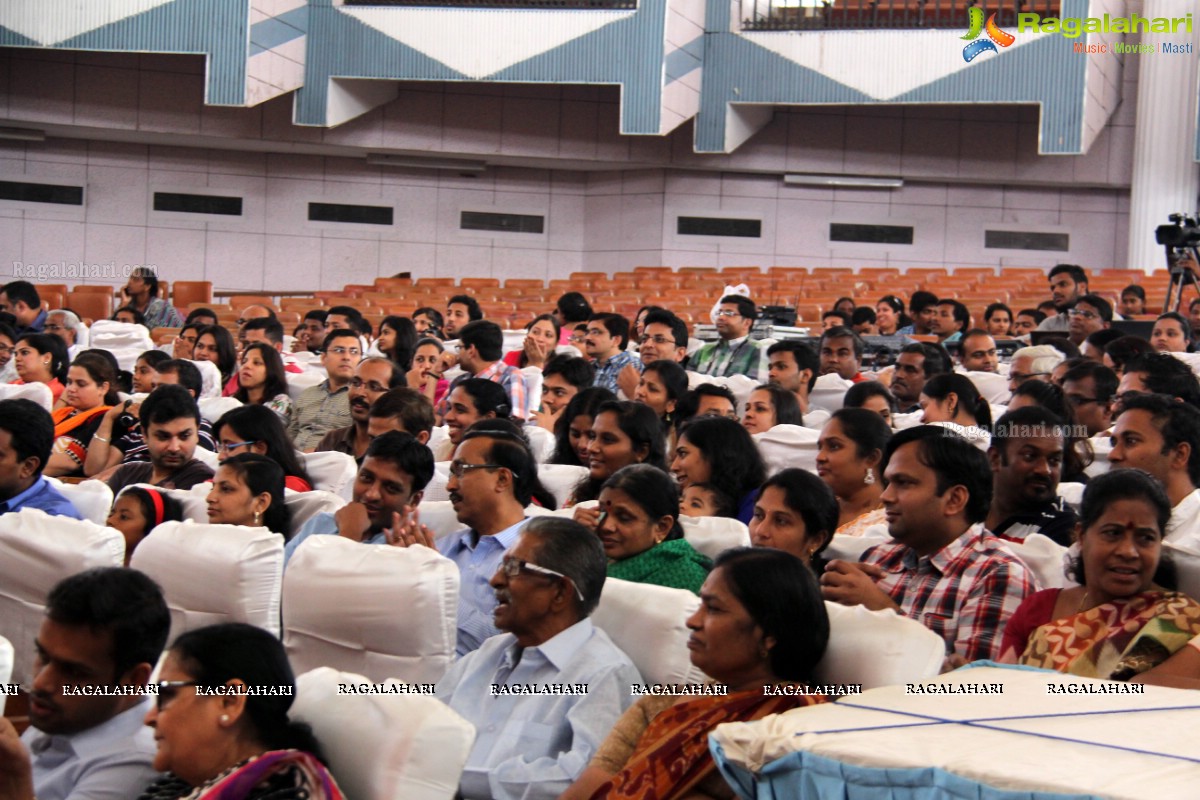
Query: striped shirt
(318, 411)
(965, 592)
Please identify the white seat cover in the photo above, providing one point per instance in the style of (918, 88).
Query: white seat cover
(394, 614)
(7, 655)
(878, 648)
(533, 388)
(1042, 556)
(214, 573)
(561, 479)
(541, 442)
(714, 535)
(740, 385)
(992, 385)
(92, 499)
(648, 623)
(1187, 568)
(786, 446)
(331, 471)
(436, 488)
(108, 334)
(40, 550)
(1072, 493)
(37, 392)
(298, 382)
(213, 408)
(829, 391)
(384, 746)
(210, 379)
(303, 506)
(851, 548)
(1101, 447)
(439, 517)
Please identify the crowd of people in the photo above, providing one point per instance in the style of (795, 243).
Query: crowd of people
(942, 464)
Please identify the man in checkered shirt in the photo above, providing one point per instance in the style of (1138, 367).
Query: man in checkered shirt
(944, 569)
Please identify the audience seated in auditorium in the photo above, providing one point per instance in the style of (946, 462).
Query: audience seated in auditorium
(951, 399)
(184, 346)
(873, 396)
(546, 585)
(1026, 457)
(541, 338)
(215, 345)
(248, 490)
(862, 321)
(1124, 349)
(372, 378)
(951, 321)
(254, 429)
(326, 406)
(571, 309)
(664, 336)
(796, 512)
(236, 746)
(145, 371)
(426, 373)
(262, 380)
(343, 318)
(401, 409)
(768, 406)
(1160, 373)
(997, 321)
(889, 315)
(461, 310)
(26, 439)
(41, 358)
(841, 354)
(66, 326)
(849, 457)
(269, 331)
(944, 569)
(638, 526)
(310, 336)
(1033, 363)
(735, 353)
(834, 319)
(397, 340)
(977, 352)
(922, 308)
(1124, 618)
(104, 626)
(711, 400)
(574, 425)
(141, 293)
(1133, 300)
(563, 377)
(428, 322)
(718, 450)
(387, 491)
(1094, 345)
(137, 510)
(130, 316)
(1068, 283)
(171, 420)
(1090, 314)
(605, 343)
(917, 363)
(1089, 389)
(90, 392)
(21, 299)
(794, 366)
(622, 433)
(1026, 322)
(705, 500)
(480, 348)
(253, 312)
(1172, 334)
(471, 400)
(664, 388)
(1161, 436)
(761, 623)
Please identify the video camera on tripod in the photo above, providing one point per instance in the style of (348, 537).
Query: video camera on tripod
(1180, 239)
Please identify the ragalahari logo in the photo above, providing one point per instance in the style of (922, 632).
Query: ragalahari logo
(977, 48)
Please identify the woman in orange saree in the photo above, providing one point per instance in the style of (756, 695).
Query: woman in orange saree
(759, 632)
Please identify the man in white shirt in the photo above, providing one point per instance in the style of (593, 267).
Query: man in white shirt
(1158, 434)
(104, 628)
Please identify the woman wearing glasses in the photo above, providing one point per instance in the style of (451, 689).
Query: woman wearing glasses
(258, 430)
(263, 381)
(215, 743)
(248, 490)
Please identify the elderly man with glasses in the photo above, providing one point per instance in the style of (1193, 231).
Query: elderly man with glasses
(544, 694)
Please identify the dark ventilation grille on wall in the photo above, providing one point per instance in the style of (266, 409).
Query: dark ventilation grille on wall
(41, 193)
(198, 203)
(871, 234)
(362, 215)
(504, 223)
(717, 226)
(1026, 240)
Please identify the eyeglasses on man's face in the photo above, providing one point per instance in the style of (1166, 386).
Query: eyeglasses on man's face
(512, 567)
(458, 468)
(659, 340)
(345, 351)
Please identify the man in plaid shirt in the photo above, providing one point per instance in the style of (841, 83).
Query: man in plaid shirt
(736, 353)
(481, 346)
(945, 569)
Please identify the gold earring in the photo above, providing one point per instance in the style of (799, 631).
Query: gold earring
(258, 518)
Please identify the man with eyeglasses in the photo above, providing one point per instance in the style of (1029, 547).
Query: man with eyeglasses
(664, 338)
(64, 324)
(326, 406)
(1068, 283)
(387, 491)
(604, 342)
(253, 312)
(736, 353)
(373, 377)
(1035, 363)
(1089, 389)
(1090, 313)
(546, 692)
(170, 419)
(103, 628)
(1026, 457)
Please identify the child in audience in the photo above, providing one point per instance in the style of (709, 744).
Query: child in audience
(706, 500)
(139, 510)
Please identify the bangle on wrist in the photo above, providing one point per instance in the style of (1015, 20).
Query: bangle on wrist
(101, 438)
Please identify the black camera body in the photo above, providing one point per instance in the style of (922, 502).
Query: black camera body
(1184, 231)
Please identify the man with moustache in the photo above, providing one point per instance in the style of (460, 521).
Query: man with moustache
(1068, 283)
(372, 378)
(917, 363)
(1026, 457)
(534, 741)
(735, 353)
(387, 490)
(104, 630)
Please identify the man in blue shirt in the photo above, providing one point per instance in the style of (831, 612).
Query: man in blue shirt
(103, 628)
(543, 695)
(387, 491)
(607, 337)
(21, 299)
(26, 436)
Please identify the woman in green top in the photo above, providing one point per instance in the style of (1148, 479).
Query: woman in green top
(639, 528)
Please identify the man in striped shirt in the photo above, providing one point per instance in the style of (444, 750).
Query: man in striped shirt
(945, 569)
